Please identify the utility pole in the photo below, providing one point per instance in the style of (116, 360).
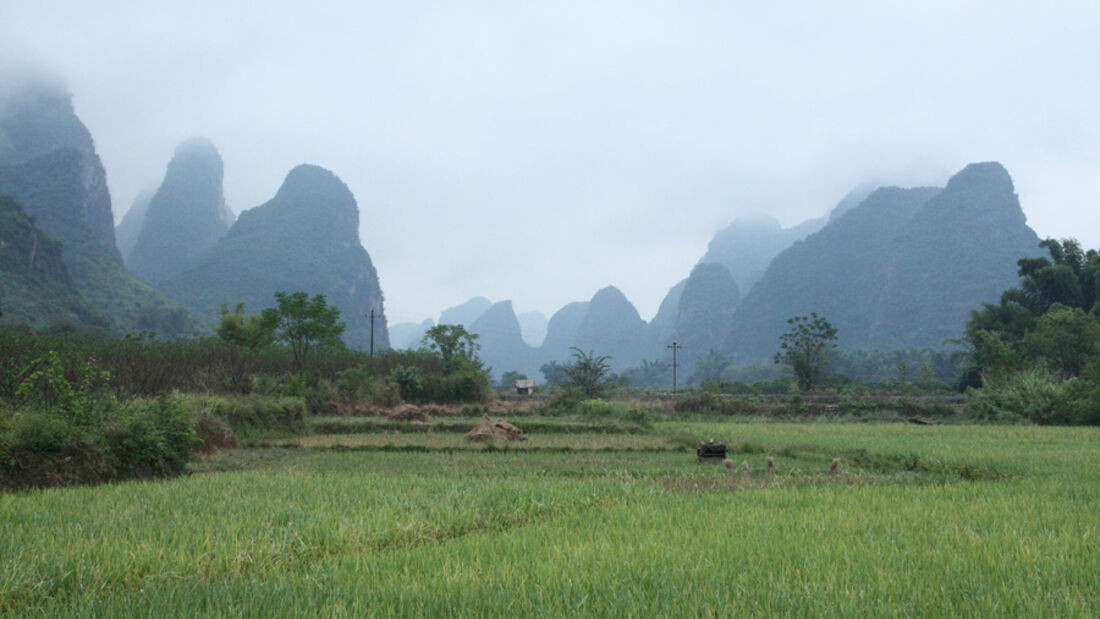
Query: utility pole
(372, 333)
(674, 346)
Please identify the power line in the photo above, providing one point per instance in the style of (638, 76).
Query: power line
(674, 346)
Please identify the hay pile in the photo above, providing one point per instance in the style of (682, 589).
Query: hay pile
(408, 412)
(489, 430)
(435, 410)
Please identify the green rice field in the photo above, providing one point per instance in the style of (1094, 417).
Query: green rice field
(919, 521)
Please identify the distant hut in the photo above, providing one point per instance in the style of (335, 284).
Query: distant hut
(525, 386)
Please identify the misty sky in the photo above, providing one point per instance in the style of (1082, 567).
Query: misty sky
(538, 152)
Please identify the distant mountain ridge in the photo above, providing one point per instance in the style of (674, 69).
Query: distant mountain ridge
(186, 215)
(890, 268)
(48, 163)
(37, 119)
(306, 238)
(128, 230)
(902, 269)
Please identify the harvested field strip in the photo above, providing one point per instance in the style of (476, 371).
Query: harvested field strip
(438, 440)
(363, 425)
(505, 447)
(801, 464)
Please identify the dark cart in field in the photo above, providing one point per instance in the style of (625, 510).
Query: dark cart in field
(712, 453)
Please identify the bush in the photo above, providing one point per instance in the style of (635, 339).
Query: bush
(140, 439)
(43, 432)
(408, 381)
(467, 382)
(74, 389)
(1037, 396)
(598, 408)
(150, 439)
(601, 409)
(357, 388)
(564, 402)
(323, 399)
(253, 415)
(709, 403)
(213, 433)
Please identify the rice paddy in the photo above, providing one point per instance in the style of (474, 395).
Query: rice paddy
(918, 521)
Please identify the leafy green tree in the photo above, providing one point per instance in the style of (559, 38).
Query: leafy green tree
(304, 323)
(554, 373)
(654, 374)
(1064, 337)
(452, 342)
(1068, 279)
(709, 365)
(408, 381)
(255, 331)
(805, 349)
(588, 373)
(509, 378)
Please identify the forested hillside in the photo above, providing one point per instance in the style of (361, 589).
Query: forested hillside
(306, 238)
(35, 287)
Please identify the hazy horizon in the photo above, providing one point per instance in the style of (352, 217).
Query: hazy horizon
(540, 153)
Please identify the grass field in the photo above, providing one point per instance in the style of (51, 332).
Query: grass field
(922, 521)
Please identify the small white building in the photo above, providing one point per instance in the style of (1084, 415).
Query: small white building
(525, 386)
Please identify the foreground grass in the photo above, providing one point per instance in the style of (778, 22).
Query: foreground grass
(321, 532)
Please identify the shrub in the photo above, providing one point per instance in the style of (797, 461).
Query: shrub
(357, 387)
(323, 399)
(140, 439)
(408, 381)
(150, 439)
(251, 414)
(598, 408)
(710, 403)
(1034, 395)
(467, 382)
(43, 432)
(213, 433)
(352, 384)
(75, 389)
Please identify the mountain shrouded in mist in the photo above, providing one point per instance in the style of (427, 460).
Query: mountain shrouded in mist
(185, 216)
(902, 269)
(611, 326)
(561, 331)
(533, 325)
(304, 239)
(466, 313)
(705, 316)
(501, 340)
(127, 230)
(36, 119)
(661, 330)
(746, 246)
(35, 287)
(409, 334)
(959, 251)
(49, 164)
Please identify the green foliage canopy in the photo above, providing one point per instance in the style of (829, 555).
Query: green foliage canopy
(452, 343)
(588, 373)
(805, 348)
(304, 323)
(255, 331)
(1051, 318)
